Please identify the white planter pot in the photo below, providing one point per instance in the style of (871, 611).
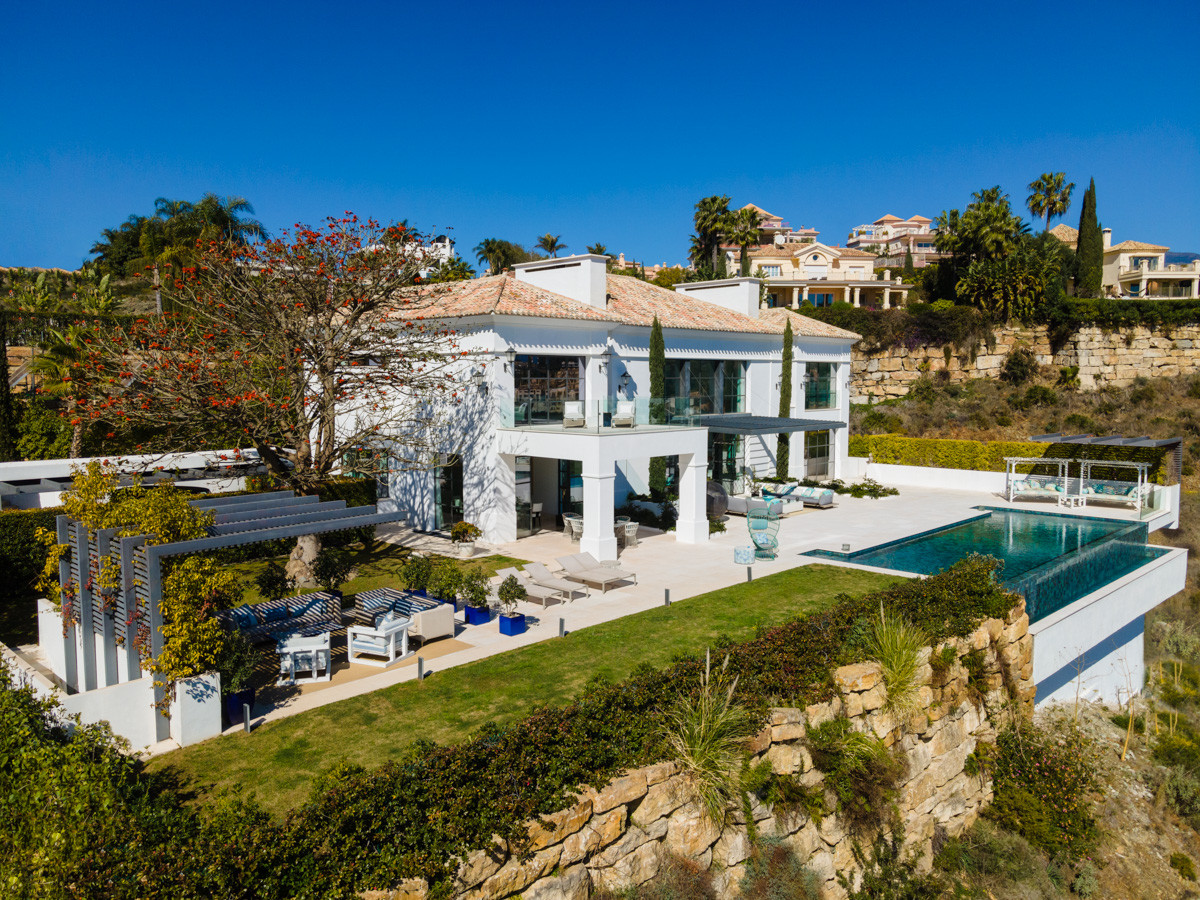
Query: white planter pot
(466, 549)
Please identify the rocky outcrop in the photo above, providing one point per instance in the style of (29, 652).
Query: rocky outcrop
(618, 834)
(1104, 358)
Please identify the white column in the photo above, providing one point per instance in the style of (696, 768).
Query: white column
(497, 502)
(599, 480)
(904, 298)
(887, 295)
(857, 290)
(804, 296)
(795, 304)
(692, 526)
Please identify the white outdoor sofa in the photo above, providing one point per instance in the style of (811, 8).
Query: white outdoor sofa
(430, 619)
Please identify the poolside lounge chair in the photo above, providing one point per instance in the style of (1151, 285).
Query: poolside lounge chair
(533, 591)
(764, 530)
(625, 415)
(573, 414)
(584, 567)
(544, 577)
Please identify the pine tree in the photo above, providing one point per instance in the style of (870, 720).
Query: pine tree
(783, 446)
(8, 420)
(658, 410)
(1089, 254)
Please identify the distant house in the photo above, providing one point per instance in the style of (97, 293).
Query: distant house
(801, 271)
(890, 237)
(1136, 269)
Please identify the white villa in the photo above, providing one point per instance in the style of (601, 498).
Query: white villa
(890, 237)
(1137, 270)
(559, 419)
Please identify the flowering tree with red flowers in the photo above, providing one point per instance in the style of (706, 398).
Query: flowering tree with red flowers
(311, 348)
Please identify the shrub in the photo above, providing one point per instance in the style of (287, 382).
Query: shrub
(444, 582)
(1182, 863)
(474, 589)
(859, 770)
(1043, 781)
(511, 592)
(890, 874)
(775, 872)
(237, 663)
(463, 532)
(1086, 882)
(273, 582)
(989, 855)
(895, 645)
(331, 569)
(1019, 366)
(716, 526)
(706, 733)
(416, 573)
(677, 879)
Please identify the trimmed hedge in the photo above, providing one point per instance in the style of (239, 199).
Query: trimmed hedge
(363, 830)
(988, 456)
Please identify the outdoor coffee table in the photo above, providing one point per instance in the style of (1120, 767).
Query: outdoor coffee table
(310, 654)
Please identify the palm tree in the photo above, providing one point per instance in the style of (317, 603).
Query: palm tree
(597, 249)
(57, 369)
(745, 232)
(712, 222)
(551, 243)
(1050, 196)
(490, 254)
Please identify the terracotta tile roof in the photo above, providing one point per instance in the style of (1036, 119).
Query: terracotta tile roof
(772, 252)
(919, 219)
(1135, 245)
(852, 253)
(631, 301)
(762, 212)
(803, 325)
(1065, 233)
(888, 218)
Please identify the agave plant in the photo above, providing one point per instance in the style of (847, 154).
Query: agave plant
(706, 731)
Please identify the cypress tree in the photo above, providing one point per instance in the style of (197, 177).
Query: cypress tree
(1089, 254)
(783, 446)
(8, 419)
(658, 409)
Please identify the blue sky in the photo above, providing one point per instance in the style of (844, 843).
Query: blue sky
(600, 123)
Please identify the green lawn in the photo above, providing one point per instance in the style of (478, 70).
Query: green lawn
(278, 760)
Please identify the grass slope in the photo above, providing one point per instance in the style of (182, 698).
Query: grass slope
(279, 760)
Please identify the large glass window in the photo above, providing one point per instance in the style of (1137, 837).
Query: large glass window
(542, 384)
(726, 459)
(816, 454)
(675, 386)
(449, 493)
(820, 389)
(733, 387)
(702, 386)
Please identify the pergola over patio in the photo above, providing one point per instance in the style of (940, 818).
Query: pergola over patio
(1174, 446)
(100, 647)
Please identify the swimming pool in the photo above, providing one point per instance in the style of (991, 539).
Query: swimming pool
(1052, 559)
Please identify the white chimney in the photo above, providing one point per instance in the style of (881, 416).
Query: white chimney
(583, 278)
(739, 294)
(1107, 232)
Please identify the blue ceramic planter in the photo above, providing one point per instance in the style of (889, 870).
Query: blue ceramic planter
(476, 616)
(512, 625)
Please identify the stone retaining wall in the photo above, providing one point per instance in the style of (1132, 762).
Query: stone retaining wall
(1104, 358)
(618, 835)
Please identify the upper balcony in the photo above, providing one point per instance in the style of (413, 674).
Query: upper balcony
(550, 412)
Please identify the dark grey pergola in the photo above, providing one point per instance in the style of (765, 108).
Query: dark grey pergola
(744, 423)
(1174, 446)
(107, 623)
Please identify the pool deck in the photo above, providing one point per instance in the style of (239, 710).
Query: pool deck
(661, 563)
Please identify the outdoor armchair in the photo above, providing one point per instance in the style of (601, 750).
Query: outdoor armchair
(764, 531)
(573, 414)
(383, 645)
(625, 415)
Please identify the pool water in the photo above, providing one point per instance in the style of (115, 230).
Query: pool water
(1052, 559)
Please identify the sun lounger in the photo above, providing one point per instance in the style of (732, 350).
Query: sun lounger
(584, 567)
(534, 592)
(543, 576)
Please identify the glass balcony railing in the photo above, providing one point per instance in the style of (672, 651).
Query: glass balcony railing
(547, 413)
